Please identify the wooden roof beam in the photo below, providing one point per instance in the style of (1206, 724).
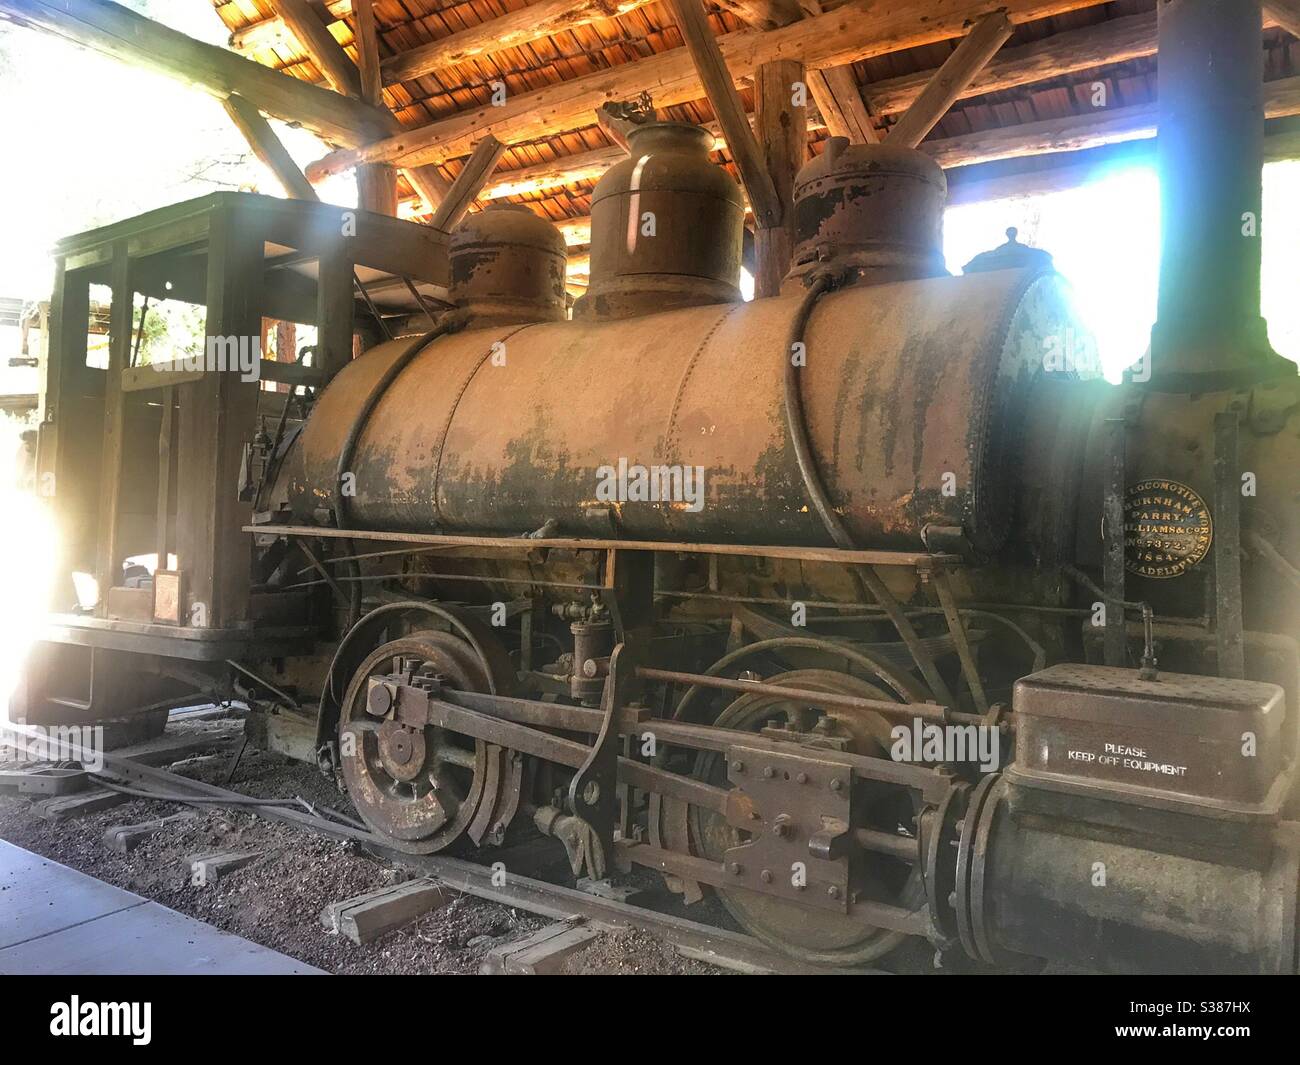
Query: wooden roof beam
(839, 101)
(115, 31)
(1286, 13)
(616, 126)
(511, 30)
(522, 26)
(269, 148)
(720, 88)
(1117, 41)
(429, 185)
(376, 182)
(782, 128)
(376, 188)
(317, 41)
(948, 83)
(1281, 99)
(370, 87)
(565, 170)
(469, 182)
(858, 30)
(764, 14)
(837, 96)
(272, 32)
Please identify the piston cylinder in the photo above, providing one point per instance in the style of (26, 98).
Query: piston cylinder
(507, 267)
(1130, 834)
(666, 227)
(871, 211)
(1047, 880)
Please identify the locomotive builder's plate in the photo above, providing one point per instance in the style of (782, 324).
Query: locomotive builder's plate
(1167, 529)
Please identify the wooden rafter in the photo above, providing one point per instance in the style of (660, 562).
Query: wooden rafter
(376, 182)
(720, 88)
(763, 14)
(469, 182)
(376, 188)
(118, 32)
(1117, 41)
(369, 81)
(839, 100)
(567, 169)
(511, 30)
(429, 185)
(268, 148)
(522, 26)
(837, 96)
(1114, 41)
(1286, 13)
(1075, 132)
(847, 34)
(317, 41)
(272, 32)
(951, 79)
(1281, 99)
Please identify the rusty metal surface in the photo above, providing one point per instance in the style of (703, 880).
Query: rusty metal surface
(419, 787)
(666, 227)
(1181, 734)
(507, 266)
(914, 395)
(802, 824)
(1171, 443)
(1184, 904)
(874, 208)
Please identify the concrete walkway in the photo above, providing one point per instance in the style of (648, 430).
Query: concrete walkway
(55, 920)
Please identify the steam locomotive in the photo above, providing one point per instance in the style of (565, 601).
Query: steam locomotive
(858, 606)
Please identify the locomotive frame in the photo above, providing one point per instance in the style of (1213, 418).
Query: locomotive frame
(432, 708)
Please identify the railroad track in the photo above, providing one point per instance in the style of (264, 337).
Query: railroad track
(722, 947)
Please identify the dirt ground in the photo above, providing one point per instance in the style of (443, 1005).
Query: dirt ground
(277, 900)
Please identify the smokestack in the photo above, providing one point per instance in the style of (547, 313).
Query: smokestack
(1209, 333)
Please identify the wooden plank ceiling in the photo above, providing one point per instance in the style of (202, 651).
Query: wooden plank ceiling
(443, 60)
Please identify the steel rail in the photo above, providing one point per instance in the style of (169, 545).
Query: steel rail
(718, 946)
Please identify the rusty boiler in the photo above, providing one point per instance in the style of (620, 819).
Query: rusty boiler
(920, 399)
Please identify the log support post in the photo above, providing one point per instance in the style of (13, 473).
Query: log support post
(781, 121)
